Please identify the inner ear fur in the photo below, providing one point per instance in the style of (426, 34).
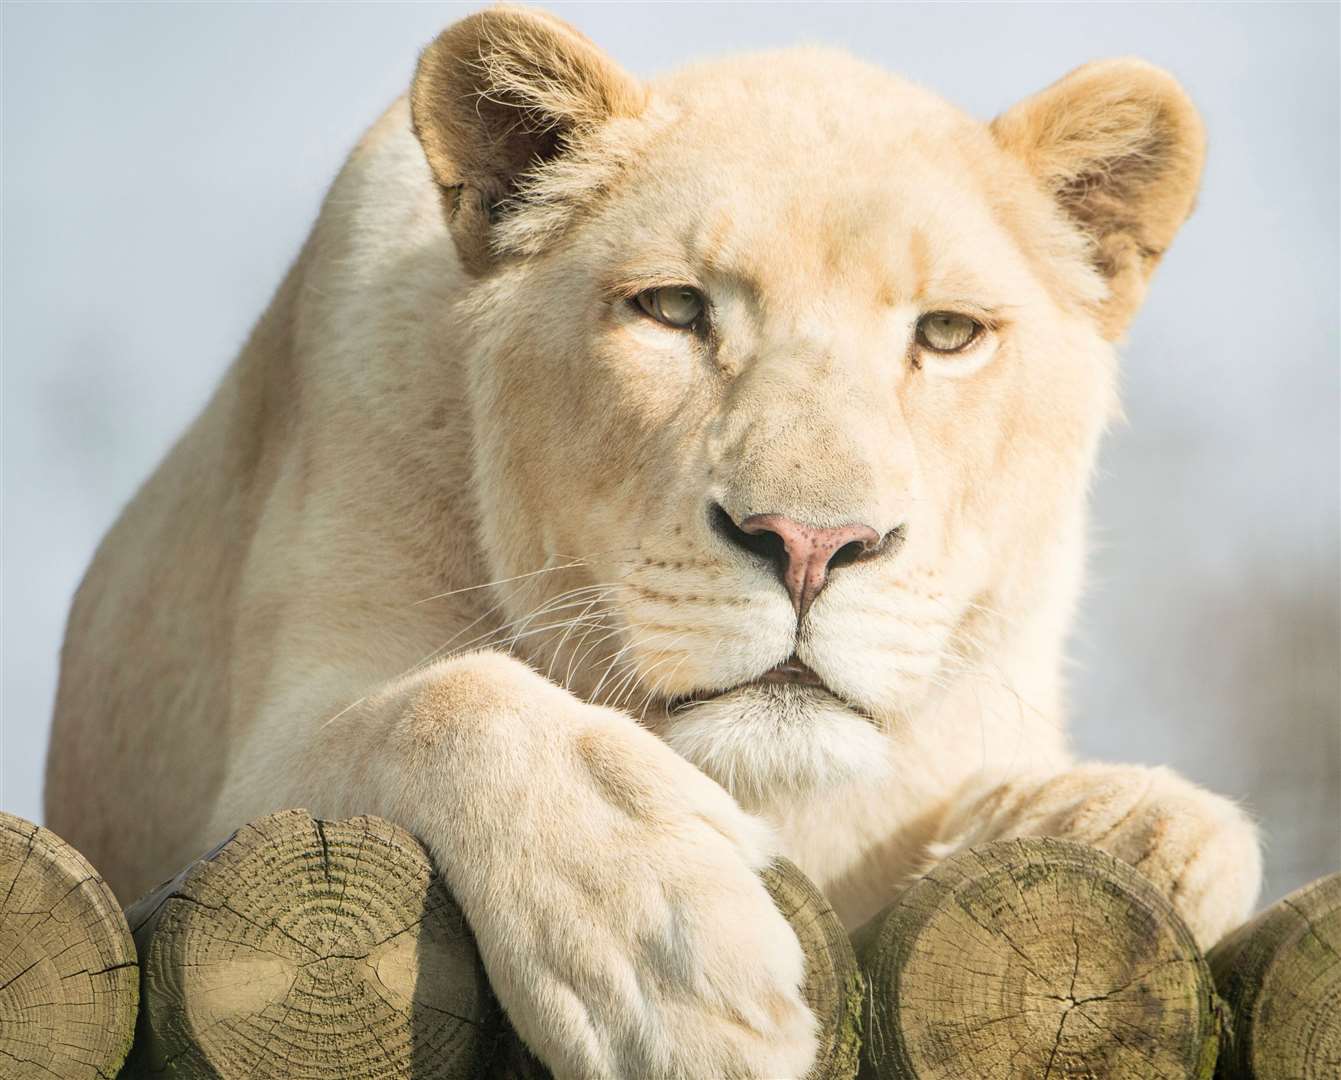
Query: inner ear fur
(498, 95)
(1120, 146)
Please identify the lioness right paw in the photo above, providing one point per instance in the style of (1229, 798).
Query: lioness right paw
(656, 1004)
(613, 893)
(653, 952)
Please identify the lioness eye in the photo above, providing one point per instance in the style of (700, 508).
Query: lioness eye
(674, 305)
(946, 331)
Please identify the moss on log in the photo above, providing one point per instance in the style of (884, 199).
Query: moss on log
(1280, 975)
(1034, 958)
(68, 979)
(331, 949)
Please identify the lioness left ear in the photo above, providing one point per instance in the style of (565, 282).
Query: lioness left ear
(1119, 145)
(500, 94)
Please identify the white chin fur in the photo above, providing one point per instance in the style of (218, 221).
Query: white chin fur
(761, 742)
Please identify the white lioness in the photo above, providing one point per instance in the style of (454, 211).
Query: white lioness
(632, 480)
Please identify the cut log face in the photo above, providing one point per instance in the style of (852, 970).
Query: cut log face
(1280, 975)
(1034, 957)
(69, 984)
(312, 949)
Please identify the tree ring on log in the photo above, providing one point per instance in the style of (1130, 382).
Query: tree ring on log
(315, 949)
(1034, 957)
(69, 984)
(1281, 977)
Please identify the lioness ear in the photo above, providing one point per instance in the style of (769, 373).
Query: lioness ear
(1120, 146)
(498, 95)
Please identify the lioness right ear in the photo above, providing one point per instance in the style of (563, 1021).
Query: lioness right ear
(498, 95)
(1119, 146)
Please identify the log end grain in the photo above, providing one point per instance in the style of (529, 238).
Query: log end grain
(1034, 957)
(1280, 975)
(69, 984)
(311, 948)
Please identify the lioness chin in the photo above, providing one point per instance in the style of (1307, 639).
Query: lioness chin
(632, 480)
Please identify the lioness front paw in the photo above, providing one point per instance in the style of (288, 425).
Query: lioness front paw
(617, 907)
(1200, 849)
(648, 947)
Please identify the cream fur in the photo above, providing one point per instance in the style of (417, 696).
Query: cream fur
(438, 547)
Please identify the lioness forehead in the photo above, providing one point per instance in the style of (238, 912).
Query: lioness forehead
(796, 169)
(806, 97)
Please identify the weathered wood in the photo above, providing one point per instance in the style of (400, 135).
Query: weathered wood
(1280, 976)
(331, 949)
(833, 986)
(1034, 958)
(69, 984)
(313, 949)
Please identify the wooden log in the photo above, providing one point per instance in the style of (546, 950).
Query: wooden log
(1034, 958)
(69, 984)
(310, 948)
(833, 986)
(1280, 976)
(331, 949)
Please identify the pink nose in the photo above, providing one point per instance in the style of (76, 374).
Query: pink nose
(810, 552)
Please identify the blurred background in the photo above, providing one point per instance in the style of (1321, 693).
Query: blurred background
(163, 163)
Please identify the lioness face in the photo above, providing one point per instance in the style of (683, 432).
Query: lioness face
(795, 407)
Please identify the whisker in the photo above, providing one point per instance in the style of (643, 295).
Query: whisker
(558, 649)
(573, 599)
(656, 690)
(614, 659)
(578, 659)
(629, 684)
(428, 657)
(500, 581)
(550, 607)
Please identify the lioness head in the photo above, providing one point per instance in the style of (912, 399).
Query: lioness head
(788, 374)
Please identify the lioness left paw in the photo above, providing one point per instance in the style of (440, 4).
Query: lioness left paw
(1200, 849)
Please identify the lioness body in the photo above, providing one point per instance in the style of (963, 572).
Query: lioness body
(451, 432)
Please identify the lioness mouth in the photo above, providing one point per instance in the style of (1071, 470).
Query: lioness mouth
(793, 672)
